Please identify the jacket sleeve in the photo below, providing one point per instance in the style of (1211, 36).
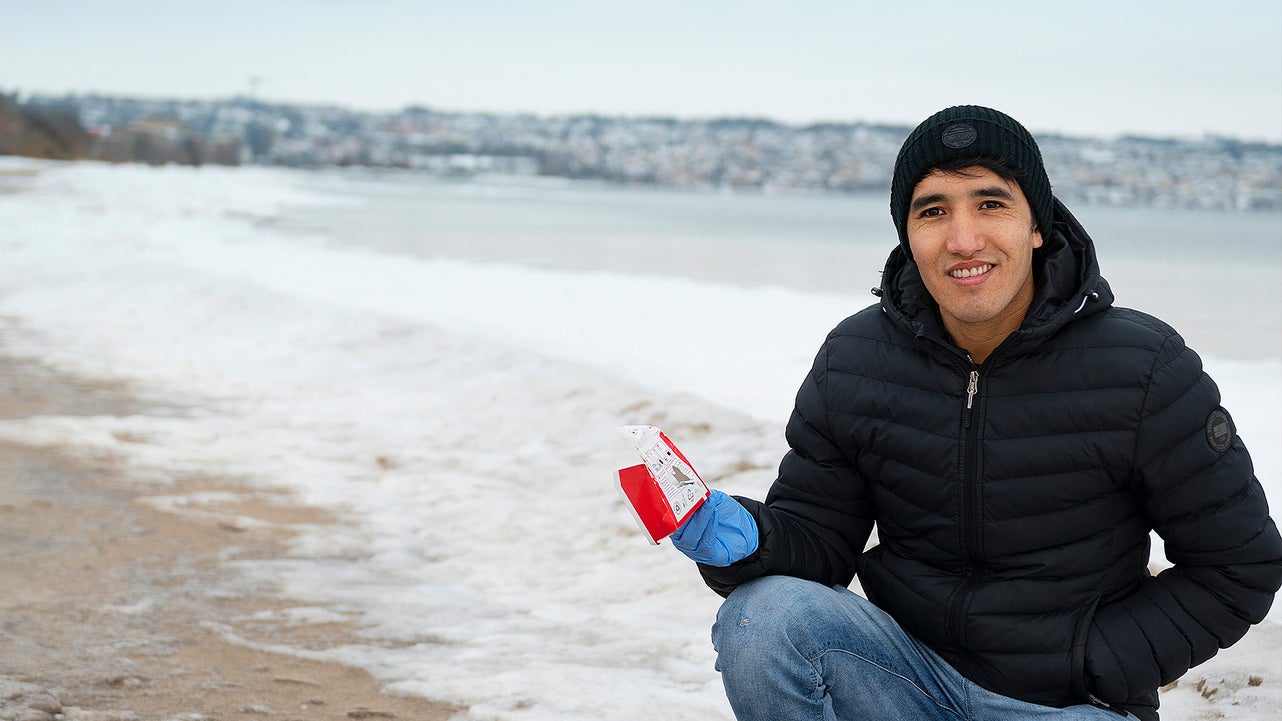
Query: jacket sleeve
(1197, 487)
(817, 516)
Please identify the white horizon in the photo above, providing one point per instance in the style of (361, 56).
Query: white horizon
(1100, 70)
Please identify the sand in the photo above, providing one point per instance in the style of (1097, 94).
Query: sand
(117, 606)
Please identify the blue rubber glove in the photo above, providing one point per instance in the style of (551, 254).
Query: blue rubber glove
(720, 533)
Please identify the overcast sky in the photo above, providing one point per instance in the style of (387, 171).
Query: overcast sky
(1150, 67)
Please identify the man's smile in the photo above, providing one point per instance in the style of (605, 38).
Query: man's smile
(970, 272)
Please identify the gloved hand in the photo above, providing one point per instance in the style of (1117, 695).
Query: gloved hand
(720, 533)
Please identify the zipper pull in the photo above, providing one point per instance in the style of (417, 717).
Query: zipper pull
(1097, 703)
(971, 390)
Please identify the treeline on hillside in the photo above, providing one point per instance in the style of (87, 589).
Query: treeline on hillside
(55, 132)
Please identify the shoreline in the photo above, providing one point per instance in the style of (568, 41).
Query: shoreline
(119, 605)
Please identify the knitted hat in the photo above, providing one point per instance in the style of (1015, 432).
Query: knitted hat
(966, 132)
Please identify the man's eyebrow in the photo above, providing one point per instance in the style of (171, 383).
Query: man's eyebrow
(925, 200)
(992, 191)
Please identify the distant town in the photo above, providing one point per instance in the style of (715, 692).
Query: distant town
(750, 154)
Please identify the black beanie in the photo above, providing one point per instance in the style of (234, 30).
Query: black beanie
(969, 132)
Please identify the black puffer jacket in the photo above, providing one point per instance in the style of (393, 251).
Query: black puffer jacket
(1014, 499)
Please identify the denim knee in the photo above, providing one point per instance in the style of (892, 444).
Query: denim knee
(769, 613)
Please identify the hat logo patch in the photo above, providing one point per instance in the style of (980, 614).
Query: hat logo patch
(959, 135)
(1219, 430)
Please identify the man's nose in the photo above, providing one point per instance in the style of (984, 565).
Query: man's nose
(965, 235)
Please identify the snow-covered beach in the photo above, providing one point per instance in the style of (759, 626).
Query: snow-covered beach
(456, 407)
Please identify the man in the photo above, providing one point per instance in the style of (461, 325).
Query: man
(1014, 437)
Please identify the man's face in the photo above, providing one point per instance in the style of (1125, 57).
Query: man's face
(972, 236)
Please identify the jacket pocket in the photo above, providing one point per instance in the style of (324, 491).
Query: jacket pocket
(1077, 665)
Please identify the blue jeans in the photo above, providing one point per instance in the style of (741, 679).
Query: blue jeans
(789, 650)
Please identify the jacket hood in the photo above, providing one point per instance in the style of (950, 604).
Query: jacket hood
(1065, 269)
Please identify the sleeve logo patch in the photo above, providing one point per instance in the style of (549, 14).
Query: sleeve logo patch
(1219, 430)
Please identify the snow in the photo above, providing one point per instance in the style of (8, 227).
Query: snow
(459, 416)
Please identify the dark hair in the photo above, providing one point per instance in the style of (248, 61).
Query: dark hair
(1004, 170)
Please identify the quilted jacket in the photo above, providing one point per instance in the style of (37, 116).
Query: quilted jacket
(1013, 499)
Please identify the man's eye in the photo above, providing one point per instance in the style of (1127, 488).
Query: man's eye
(990, 204)
(932, 212)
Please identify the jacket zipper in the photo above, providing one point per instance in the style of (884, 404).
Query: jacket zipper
(971, 476)
(971, 512)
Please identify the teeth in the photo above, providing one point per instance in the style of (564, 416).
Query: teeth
(971, 272)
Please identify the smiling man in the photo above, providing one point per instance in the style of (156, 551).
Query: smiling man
(1014, 437)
